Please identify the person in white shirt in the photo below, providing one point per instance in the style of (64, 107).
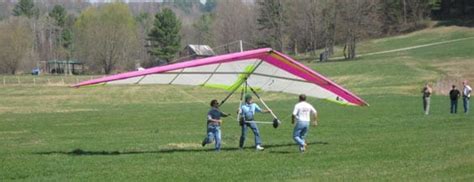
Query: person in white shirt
(302, 115)
(466, 96)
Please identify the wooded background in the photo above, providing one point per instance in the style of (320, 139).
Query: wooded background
(116, 37)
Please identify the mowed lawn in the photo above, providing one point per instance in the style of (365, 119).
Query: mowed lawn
(153, 132)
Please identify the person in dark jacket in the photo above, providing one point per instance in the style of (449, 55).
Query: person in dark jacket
(454, 95)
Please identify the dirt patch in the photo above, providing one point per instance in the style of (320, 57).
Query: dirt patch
(183, 145)
(29, 110)
(455, 71)
(14, 132)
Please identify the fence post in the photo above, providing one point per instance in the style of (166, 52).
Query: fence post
(4, 81)
(18, 78)
(77, 80)
(48, 82)
(62, 79)
(34, 81)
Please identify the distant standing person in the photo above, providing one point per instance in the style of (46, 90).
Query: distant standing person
(466, 96)
(454, 95)
(302, 114)
(427, 91)
(214, 125)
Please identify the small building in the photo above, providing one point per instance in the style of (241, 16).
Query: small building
(61, 66)
(193, 51)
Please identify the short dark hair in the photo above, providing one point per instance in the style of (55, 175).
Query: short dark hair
(214, 102)
(248, 97)
(454, 86)
(302, 97)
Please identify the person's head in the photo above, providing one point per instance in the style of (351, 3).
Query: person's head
(454, 86)
(427, 84)
(302, 97)
(214, 103)
(464, 82)
(248, 98)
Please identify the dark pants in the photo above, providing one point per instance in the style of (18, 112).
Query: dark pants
(466, 104)
(454, 106)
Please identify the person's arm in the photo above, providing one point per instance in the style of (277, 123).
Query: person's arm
(315, 119)
(293, 115)
(315, 116)
(258, 109)
(223, 114)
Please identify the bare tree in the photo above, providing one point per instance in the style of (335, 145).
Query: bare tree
(106, 37)
(272, 21)
(419, 11)
(358, 19)
(15, 43)
(234, 20)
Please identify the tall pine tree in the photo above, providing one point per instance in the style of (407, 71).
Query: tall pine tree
(25, 8)
(165, 40)
(59, 14)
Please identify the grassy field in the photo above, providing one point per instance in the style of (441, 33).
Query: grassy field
(153, 133)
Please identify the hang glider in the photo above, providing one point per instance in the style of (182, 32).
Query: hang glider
(265, 69)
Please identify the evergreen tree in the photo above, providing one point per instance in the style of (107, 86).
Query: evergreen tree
(25, 8)
(164, 37)
(59, 15)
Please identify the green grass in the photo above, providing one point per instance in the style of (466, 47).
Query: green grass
(153, 133)
(404, 72)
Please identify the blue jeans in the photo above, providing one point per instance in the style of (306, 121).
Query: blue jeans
(300, 131)
(466, 104)
(256, 133)
(454, 106)
(213, 133)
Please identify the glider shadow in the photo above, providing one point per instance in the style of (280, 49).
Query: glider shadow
(80, 152)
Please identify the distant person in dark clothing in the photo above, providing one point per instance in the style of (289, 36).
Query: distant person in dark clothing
(427, 91)
(454, 95)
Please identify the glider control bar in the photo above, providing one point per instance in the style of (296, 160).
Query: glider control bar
(276, 122)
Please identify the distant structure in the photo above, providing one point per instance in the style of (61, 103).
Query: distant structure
(192, 51)
(64, 66)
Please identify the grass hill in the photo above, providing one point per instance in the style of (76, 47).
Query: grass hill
(404, 72)
(153, 132)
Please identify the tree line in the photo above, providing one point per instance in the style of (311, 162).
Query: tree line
(114, 37)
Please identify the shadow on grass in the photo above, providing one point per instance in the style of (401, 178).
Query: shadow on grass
(80, 152)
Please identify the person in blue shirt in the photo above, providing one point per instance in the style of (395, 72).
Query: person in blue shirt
(247, 112)
(214, 125)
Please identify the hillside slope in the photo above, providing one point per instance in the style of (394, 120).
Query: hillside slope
(404, 72)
